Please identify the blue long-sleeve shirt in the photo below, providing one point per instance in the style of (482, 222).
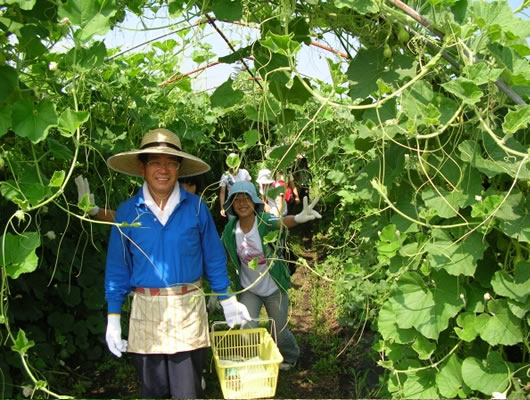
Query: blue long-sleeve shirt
(153, 255)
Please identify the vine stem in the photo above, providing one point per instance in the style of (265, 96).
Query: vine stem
(407, 371)
(378, 186)
(492, 214)
(499, 142)
(38, 386)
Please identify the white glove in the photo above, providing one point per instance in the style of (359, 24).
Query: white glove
(236, 313)
(82, 190)
(213, 304)
(113, 337)
(307, 214)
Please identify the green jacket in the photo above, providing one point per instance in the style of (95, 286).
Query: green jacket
(266, 223)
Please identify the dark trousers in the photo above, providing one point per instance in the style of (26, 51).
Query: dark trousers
(175, 376)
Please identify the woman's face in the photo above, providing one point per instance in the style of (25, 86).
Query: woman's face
(243, 205)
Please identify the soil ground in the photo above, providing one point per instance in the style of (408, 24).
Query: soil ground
(333, 364)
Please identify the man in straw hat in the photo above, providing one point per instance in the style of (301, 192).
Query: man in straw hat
(167, 242)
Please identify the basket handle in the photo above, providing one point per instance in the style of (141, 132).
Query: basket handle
(270, 320)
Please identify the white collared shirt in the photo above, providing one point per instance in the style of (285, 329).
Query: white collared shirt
(172, 201)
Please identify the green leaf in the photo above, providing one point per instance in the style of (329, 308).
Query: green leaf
(11, 192)
(497, 162)
(272, 237)
(29, 41)
(22, 344)
(514, 216)
(486, 206)
(237, 55)
(516, 287)
(388, 244)
(5, 120)
(273, 193)
(85, 204)
(449, 380)
(250, 137)
(499, 326)
(23, 4)
(360, 6)
(498, 16)
(486, 376)
(33, 120)
(369, 65)
(19, 256)
(423, 347)
(421, 385)
(166, 45)
(481, 73)
(364, 71)
(70, 120)
(63, 322)
(233, 161)
(59, 150)
(90, 58)
(93, 16)
(457, 258)
(515, 120)
(464, 89)
(336, 176)
(295, 94)
(517, 67)
(70, 295)
(388, 328)
(253, 264)
(267, 62)
(466, 330)
(427, 310)
(8, 83)
(229, 10)
(281, 44)
(202, 55)
(57, 179)
(224, 96)
(445, 203)
(348, 144)
(519, 309)
(285, 155)
(300, 28)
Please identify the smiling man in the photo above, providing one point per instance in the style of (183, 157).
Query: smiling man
(168, 243)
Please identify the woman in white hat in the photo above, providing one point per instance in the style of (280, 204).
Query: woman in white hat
(276, 206)
(166, 243)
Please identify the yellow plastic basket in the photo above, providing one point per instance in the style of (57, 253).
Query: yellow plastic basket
(247, 362)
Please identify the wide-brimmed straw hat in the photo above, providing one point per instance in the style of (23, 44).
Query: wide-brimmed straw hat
(158, 141)
(243, 187)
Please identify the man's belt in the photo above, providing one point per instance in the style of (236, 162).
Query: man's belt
(177, 290)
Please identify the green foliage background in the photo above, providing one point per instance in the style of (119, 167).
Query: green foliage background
(418, 148)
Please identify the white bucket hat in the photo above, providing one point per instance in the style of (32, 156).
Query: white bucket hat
(264, 177)
(158, 141)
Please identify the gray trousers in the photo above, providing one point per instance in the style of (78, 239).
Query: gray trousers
(277, 306)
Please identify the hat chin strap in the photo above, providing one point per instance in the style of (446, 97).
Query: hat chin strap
(160, 144)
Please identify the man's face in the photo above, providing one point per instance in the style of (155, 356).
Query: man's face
(161, 172)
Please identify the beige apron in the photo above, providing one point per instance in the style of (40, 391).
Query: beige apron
(169, 320)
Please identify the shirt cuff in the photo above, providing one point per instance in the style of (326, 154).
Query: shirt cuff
(114, 307)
